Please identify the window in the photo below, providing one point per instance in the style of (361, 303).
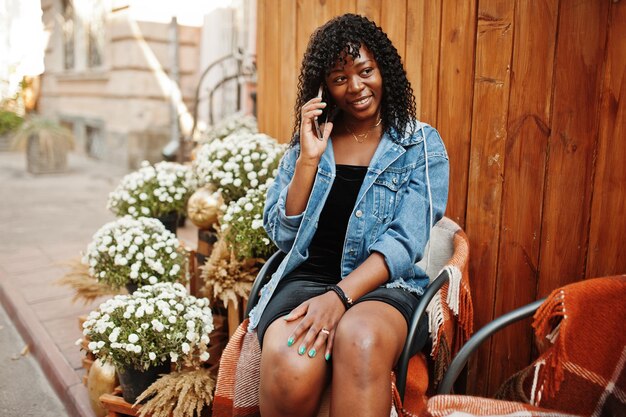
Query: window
(95, 145)
(94, 27)
(83, 27)
(68, 34)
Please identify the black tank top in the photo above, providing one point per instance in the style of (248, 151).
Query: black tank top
(327, 245)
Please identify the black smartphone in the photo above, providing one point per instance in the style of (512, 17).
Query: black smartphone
(330, 112)
(320, 92)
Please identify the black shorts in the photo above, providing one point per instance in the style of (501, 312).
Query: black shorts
(299, 286)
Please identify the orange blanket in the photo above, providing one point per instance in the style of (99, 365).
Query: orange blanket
(583, 367)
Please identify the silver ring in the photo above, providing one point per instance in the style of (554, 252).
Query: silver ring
(325, 331)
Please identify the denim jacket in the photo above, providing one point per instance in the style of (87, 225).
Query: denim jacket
(392, 215)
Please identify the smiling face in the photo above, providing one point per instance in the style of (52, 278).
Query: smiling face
(356, 85)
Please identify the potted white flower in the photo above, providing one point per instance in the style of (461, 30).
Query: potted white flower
(237, 163)
(134, 252)
(236, 123)
(241, 248)
(159, 191)
(145, 333)
(242, 225)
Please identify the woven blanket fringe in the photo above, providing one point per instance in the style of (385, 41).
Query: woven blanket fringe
(453, 304)
(548, 318)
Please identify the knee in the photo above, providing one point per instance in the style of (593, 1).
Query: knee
(359, 348)
(285, 378)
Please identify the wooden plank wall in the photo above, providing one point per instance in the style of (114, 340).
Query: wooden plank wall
(530, 99)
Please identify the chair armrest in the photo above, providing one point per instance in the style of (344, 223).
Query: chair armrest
(264, 275)
(403, 362)
(479, 337)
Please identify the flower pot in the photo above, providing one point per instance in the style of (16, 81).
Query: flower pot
(134, 382)
(170, 221)
(42, 159)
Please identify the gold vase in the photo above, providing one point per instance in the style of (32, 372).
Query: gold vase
(102, 379)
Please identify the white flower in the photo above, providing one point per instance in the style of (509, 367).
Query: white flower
(155, 336)
(149, 184)
(231, 163)
(204, 356)
(125, 250)
(115, 333)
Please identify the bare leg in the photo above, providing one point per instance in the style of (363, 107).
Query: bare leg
(368, 342)
(291, 384)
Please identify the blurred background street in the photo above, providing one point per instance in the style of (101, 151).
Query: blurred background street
(46, 221)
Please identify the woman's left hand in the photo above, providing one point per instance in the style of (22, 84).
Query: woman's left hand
(320, 316)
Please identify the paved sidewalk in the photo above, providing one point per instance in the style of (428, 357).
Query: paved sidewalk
(45, 221)
(24, 390)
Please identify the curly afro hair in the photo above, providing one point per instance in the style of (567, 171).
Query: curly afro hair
(344, 35)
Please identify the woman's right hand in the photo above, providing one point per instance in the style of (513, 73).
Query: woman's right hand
(311, 147)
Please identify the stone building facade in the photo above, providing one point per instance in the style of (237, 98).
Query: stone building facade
(107, 73)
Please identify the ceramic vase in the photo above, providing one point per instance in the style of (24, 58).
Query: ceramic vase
(102, 379)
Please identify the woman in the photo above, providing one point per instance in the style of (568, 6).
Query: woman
(353, 211)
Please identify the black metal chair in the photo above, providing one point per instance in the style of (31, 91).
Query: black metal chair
(461, 358)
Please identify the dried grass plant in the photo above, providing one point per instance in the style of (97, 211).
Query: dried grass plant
(87, 287)
(48, 133)
(225, 277)
(179, 394)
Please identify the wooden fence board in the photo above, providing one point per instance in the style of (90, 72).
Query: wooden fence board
(454, 113)
(371, 8)
(578, 76)
(608, 222)
(393, 22)
(423, 22)
(340, 7)
(309, 16)
(289, 70)
(525, 156)
(263, 107)
(494, 42)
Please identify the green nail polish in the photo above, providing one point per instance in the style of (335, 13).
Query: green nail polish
(290, 341)
(301, 350)
(312, 353)
(327, 356)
